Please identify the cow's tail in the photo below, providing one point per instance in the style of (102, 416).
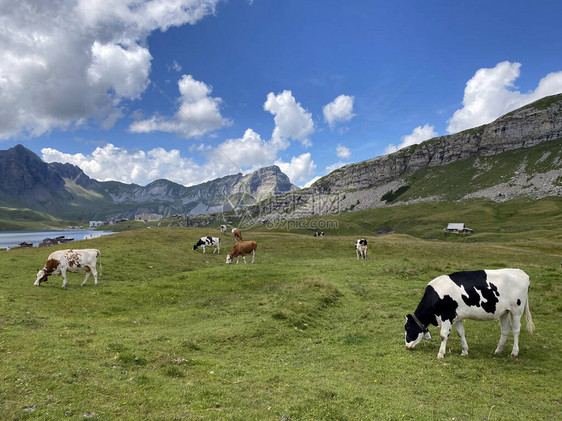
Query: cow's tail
(99, 255)
(528, 317)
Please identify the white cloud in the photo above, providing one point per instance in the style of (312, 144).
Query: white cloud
(491, 92)
(418, 135)
(339, 110)
(343, 152)
(174, 66)
(112, 163)
(244, 155)
(63, 63)
(292, 121)
(299, 169)
(198, 113)
(248, 152)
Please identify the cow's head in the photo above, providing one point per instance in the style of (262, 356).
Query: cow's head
(415, 332)
(41, 277)
(195, 247)
(228, 259)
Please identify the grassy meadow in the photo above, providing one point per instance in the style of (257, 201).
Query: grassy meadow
(306, 333)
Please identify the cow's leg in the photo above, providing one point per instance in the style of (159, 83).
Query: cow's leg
(505, 324)
(357, 251)
(203, 249)
(445, 330)
(516, 327)
(459, 327)
(253, 255)
(87, 268)
(63, 274)
(244, 258)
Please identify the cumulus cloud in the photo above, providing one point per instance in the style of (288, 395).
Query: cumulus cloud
(299, 169)
(198, 112)
(131, 166)
(339, 110)
(343, 152)
(292, 121)
(63, 63)
(248, 152)
(244, 154)
(491, 92)
(418, 135)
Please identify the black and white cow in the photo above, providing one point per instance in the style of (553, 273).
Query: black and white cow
(209, 242)
(361, 248)
(479, 295)
(319, 234)
(223, 229)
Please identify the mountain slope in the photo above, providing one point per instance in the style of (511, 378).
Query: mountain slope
(519, 154)
(64, 191)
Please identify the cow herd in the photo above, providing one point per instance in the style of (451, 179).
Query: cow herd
(447, 301)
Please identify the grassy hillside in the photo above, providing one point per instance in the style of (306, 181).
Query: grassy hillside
(12, 219)
(306, 333)
(456, 180)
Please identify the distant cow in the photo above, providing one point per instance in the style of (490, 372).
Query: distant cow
(209, 242)
(319, 234)
(59, 262)
(223, 229)
(361, 248)
(237, 234)
(479, 295)
(242, 248)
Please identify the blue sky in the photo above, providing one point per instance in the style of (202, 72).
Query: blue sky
(191, 90)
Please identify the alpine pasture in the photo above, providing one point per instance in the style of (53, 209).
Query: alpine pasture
(308, 332)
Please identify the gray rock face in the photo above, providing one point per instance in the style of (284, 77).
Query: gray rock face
(525, 127)
(361, 185)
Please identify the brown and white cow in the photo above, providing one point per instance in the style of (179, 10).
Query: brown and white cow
(237, 234)
(242, 248)
(61, 261)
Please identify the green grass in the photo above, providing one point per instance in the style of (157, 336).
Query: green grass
(306, 333)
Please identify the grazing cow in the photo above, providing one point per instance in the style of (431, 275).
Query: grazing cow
(361, 248)
(479, 295)
(223, 229)
(237, 234)
(319, 234)
(61, 261)
(209, 242)
(241, 249)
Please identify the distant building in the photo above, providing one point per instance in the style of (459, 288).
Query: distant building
(458, 228)
(148, 217)
(95, 224)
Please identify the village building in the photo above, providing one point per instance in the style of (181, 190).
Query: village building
(457, 228)
(148, 217)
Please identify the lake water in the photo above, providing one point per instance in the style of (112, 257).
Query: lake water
(10, 239)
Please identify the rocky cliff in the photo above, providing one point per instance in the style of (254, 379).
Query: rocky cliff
(430, 170)
(523, 128)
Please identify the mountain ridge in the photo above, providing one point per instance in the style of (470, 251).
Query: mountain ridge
(64, 190)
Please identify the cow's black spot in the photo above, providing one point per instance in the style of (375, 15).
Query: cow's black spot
(209, 240)
(518, 302)
(474, 283)
(446, 309)
(431, 305)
